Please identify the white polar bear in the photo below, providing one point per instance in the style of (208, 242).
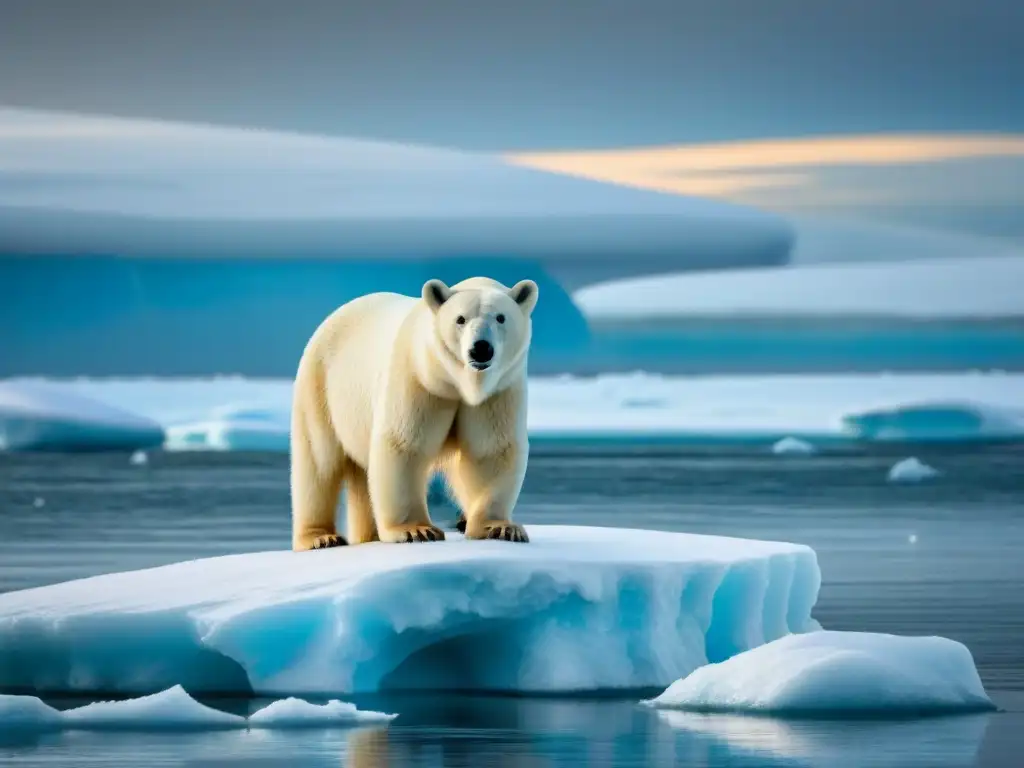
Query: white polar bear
(392, 388)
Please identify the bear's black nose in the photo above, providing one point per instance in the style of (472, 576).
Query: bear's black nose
(481, 352)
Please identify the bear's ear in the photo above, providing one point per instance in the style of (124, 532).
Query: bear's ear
(435, 293)
(524, 293)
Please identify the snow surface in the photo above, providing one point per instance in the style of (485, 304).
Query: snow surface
(981, 287)
(793, 446)
(174, 710)
(648, 607)
(240, 414)
(836, 672)
(299, 713)
(911, 470)
(38, 415)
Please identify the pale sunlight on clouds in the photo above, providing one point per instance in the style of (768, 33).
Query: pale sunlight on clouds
(834, 174)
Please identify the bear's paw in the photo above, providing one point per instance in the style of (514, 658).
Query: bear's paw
(327, 541)
(404, 534)
(498, 529)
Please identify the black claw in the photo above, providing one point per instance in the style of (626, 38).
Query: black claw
(408, 536)
(421, 535)
(431, 536)
(494, 533)
(460, 524)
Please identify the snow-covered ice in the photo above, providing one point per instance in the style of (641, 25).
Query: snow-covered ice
(793, 446)
(824, 410)
(299, 713)
(174, 710)
(219, 190)
(990, 286)
(836, 672)
(39, 415)
(648, 606)
(911, 470)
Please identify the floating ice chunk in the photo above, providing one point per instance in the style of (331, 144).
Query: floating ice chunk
(37, 415)
(298, 713)
(172, 709)
(139, 459)
(793, 446)
(27, 713)
(648, 606)
(911, 470)
(836, 672)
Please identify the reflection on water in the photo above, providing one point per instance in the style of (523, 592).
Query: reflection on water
(950, 741)
(557, 734)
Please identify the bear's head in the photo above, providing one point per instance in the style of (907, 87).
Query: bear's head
(482, 332)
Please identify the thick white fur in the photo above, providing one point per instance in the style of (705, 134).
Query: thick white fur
(386, 394)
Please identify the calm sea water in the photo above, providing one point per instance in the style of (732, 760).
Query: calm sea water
(943, 557)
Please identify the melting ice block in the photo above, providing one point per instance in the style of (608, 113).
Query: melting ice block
(576, 609)
(836, 672)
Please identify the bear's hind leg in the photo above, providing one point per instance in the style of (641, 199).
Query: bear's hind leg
(361, 527)
(315, 487)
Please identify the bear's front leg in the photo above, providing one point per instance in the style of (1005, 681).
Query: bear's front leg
(487, 489)
(398, 490)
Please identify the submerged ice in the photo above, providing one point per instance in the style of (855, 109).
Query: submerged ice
(578, 609)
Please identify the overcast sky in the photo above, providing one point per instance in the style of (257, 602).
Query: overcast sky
(526, 74)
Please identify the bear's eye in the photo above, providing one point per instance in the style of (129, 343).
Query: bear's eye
(500, 319)
(460, 320)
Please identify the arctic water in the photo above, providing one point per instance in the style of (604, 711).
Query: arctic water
(940, 556)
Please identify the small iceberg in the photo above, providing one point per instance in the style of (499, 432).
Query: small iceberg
(836, 673)
(649, 607)
(793, 446)
(298, 713)
(911, 470)
(174, 710)
(39, 416)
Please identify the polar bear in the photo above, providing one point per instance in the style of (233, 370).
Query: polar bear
(391, 389)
